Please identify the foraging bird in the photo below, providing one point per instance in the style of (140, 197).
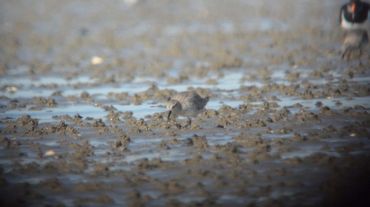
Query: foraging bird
(354, 14)
(188, 103)
(354, 40)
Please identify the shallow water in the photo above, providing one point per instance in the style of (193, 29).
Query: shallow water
(266, 68)
(48, 114)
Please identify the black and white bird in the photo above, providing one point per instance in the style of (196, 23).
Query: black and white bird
(353, 15)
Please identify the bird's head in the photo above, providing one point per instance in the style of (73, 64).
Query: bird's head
(353, 5)
(206, 99)
(174, 107)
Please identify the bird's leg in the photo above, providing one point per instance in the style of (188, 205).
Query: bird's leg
(188, 122)
(361, 64)
(349, 55)
(344, 54)
(169, 115)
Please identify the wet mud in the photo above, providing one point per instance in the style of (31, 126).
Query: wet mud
(83, 122)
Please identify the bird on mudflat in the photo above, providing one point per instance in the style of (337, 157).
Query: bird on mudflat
(188, 103)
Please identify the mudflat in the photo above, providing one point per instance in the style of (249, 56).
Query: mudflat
(83, 121)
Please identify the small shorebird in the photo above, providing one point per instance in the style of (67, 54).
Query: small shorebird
(188, 103)
(353, 15)
(354, 40)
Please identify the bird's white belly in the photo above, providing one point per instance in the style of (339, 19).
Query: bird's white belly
(350, 26)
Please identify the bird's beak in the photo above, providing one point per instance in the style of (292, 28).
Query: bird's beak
(353, 7)
(169, 115)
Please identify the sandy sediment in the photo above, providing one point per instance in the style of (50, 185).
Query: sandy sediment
(83, 122)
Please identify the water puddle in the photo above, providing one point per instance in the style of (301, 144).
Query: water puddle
(27, 87)
(48, 114)
(335, 103)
